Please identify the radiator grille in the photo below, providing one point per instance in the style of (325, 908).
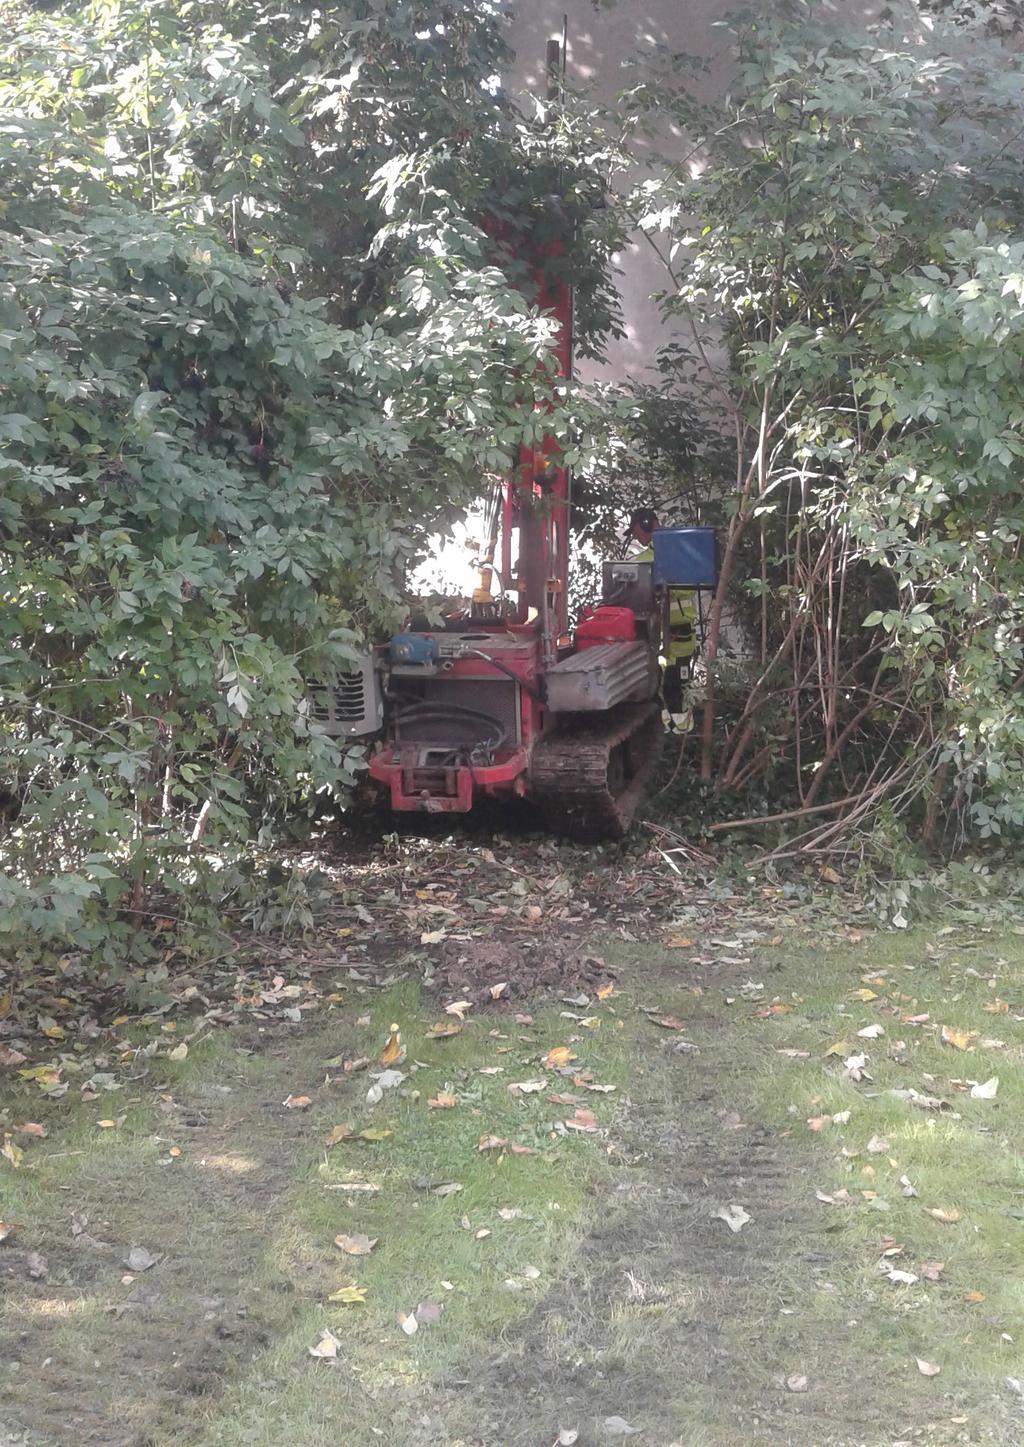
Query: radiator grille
(349, 706)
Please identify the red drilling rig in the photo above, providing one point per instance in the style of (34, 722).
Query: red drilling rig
(504, 700)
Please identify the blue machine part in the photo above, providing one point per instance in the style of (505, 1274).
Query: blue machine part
(685, 558)
(414, 648)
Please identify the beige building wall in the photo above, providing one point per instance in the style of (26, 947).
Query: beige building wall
(602, 36)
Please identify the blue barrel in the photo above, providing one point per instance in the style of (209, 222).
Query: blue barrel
(685, 558)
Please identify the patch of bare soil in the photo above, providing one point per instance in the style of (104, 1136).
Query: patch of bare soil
(500, 975)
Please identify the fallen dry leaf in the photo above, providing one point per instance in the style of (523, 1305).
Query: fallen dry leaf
(443, 1029)
(408, 1323)
(619, 1427)
(877, 1146)
(340, 1133)
(927, 1369)
(959, 1039)
(355, 1245)
(818, 1122)
(735, 1217)
(526, 1087)
(326, 1349)
(558, 1056)
(11, 1057)
(730, 1120)
(7, 1230)
(394, 1051)
(583, 1120)
(491, 1143)
(974, 1298)
(605, 992)
(797, 1383)
(349, 1296)
(841, 1197)
(139, 1259)
(11, 1152)
(986, 1089)
(458, 1007)
(932, 1270)
(443, 1101)
(298, 1102)
(496, 991)
(179, 1052)
(31, 1127)
(947, 1217)
(669, 1022)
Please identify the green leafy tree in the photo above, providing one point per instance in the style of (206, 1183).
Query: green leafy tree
(264, 322)
(845, 275)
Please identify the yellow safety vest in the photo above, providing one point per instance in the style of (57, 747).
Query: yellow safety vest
(681, 642)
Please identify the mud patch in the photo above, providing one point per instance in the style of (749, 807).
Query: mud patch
(538, 969)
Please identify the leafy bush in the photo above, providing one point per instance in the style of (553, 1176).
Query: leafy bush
(256, 342)
(846, 270)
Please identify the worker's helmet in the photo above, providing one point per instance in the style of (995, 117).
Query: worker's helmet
(644, 520)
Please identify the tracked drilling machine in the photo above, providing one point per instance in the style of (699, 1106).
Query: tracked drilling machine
(504, 700)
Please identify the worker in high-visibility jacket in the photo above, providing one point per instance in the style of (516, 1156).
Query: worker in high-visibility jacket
(679, 648)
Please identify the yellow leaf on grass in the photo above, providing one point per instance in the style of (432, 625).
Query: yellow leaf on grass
(43, 1075)
(605, 992)
(298, 1102)
(12, 1152)
(349, 1295)
(49, 1027)
(948, 1217)
(443, 1029)
(558, 1056)
(680, 942)
(959, 1039)
(443, 1101)
(865, 996)
(974, 1297)
(394, 1050)
(996, 1007)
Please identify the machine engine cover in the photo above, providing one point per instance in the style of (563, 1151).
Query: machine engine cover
(602, 676)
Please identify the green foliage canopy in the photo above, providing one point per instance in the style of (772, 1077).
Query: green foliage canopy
(255, 343)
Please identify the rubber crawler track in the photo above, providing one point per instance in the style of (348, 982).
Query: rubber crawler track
(591, 774)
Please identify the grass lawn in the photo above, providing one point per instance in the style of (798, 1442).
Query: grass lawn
(588, 1284)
